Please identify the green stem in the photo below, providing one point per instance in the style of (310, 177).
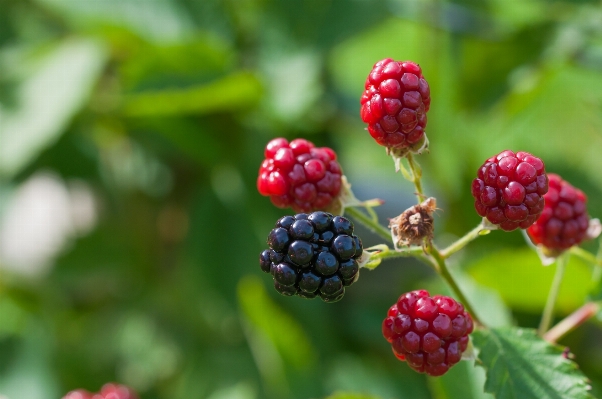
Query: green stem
(572, 321)
(480, 230)
(416, 174)
(441, 266)
(416, 252)
(369, 223)
(548, 311)
(597, 275)
(586, 256)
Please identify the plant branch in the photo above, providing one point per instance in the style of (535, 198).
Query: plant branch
(387, 253)
(548, 311)
(572, 321)
(441, 267)
(482, 229)
(368, 222)
(416, 176)
(586, 256)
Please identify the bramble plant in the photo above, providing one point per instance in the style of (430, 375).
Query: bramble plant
(315, 252)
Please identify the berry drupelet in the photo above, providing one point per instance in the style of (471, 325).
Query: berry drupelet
(395, 102)
(509, 189)
(312, 255)
(564, 221)
(429, 333)
(108, 391)
(299, 175)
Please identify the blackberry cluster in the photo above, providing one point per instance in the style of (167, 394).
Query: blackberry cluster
(395, 102)
(430, 334)
(509, 189)
(312, 255)
(564, 220)
(299, 175)
(108, 391)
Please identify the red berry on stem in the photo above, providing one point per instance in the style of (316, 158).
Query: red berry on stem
(509, 189)
(299, 175)
(564, 220)
(429, 333)
(394, 103)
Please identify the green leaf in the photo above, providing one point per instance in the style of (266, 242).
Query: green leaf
(350, 395)
(523, 283)
(46, 102)
(521, 365)
(234, 91)
(464, 380)
(283, 331)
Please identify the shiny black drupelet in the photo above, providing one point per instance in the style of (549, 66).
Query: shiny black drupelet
(312, 255)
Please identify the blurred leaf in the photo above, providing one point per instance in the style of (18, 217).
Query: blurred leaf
(290, 99)
(47, 101)
(234, 91)
(175, 64)
(241, 390)
(31, 375)
(351, 373)
(521, 365)
(159, 20)
(184, 134)
(14, 318)
(349, 395)
(280, 328)
(523, 283)
(464, 380)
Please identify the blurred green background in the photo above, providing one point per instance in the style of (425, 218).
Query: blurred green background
(131, 133)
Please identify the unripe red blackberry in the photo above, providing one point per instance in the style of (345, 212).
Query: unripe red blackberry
(509, 189)
(117, 391)
(299, 175)
(79, 394)
(312, 255)
(395, 102)
(108, 391)
(429, 333)
(564, 220)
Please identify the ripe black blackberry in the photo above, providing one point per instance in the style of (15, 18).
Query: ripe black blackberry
(312, 255)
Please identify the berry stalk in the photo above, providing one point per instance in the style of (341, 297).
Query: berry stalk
(586, 256)
(548, 311)
(386, 253)
(596, 261)
(482, 229)
(369, 223)
(416, 176)
(441, 267)
(572, 321)
(597, 275)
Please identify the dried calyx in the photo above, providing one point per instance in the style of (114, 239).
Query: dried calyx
(414, 225)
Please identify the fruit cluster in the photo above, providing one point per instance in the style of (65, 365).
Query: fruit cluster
(509, 189)
(429, 333)
(564, 220)
(299, 175)
(312, 255)
(395, 102)
(316, 254)
(108, 391)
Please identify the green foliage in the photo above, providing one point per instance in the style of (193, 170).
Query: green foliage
(525, 283)
(520, 364)
(345, 395)
(271, 321)
(131, 133)
(45, 104)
